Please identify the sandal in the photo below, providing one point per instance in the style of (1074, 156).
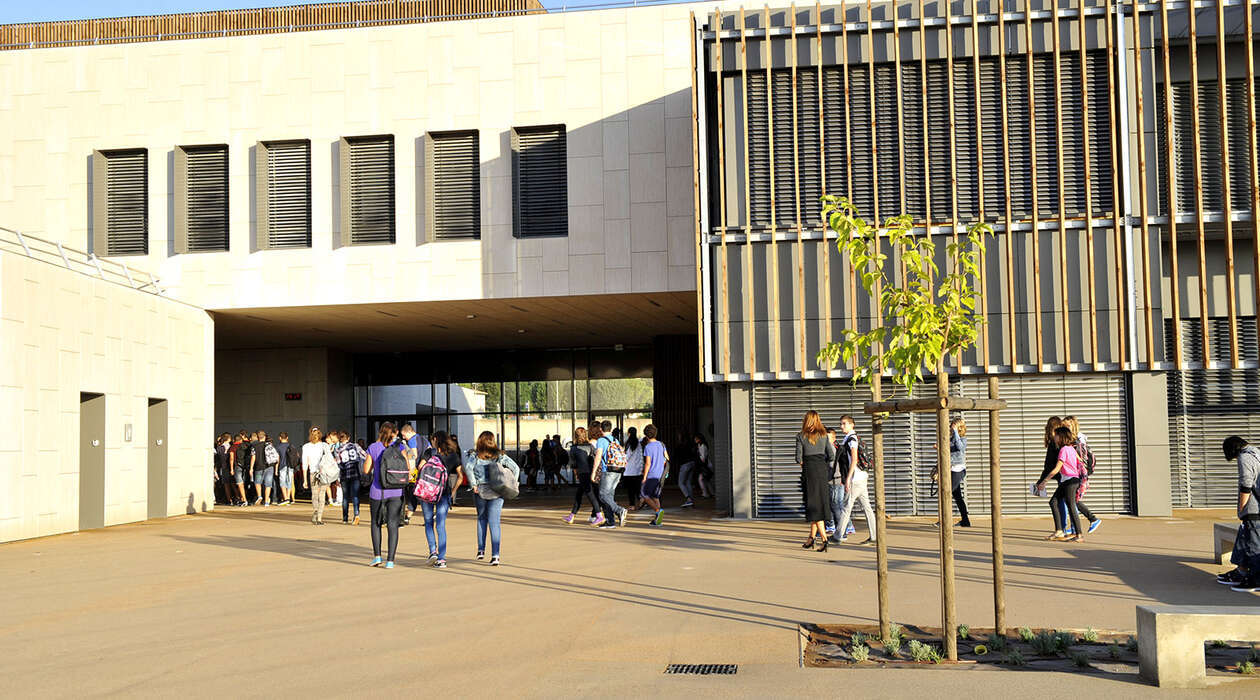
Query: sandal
(1056, 536)
(809, 544)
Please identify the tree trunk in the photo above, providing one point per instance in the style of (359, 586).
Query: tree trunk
(946, 518)
(881, 531)
(995, 491)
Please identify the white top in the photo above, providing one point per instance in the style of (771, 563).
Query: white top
(703, 451)
(634, 461)
(859, 475)
(311, 452)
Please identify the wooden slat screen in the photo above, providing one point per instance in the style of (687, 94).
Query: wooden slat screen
(288, 194)
(1210, 138)
(205, 216)
(456, 185)
(127, 201)
(540, 181)
(369, 190)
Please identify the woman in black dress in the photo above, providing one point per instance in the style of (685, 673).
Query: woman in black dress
(815, 454)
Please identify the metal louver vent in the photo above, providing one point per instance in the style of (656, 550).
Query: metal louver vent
(1209, 128)
(540, 181)
(807, 138)
(204, 226)
(456, 185)
(284, 219)
(126, 202)
(368, 194)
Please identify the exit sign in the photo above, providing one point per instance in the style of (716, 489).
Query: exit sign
(293, 396)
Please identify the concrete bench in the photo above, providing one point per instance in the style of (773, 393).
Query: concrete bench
(1223, 535)
(1171, 638)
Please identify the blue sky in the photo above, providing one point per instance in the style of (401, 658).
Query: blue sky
(12, 11)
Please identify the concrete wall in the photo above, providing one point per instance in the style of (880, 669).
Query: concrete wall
(618, 79)
(250, 388)
(62, 333)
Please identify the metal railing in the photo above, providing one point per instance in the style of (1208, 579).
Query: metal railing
(286, 27)
(55, 253)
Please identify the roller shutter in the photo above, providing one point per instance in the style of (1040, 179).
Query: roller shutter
(807, 138)
(284, 194)
(1098, 401)
(121, 199)
(367, 198)
(202, 205)
(1204, 408)
(540, 181)
(456, 185)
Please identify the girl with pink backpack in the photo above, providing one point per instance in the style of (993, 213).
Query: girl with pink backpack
(439, 474)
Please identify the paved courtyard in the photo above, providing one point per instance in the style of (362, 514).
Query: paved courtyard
(255, 603)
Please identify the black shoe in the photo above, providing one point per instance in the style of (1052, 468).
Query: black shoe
(822, 547)
(1251, 584)
(963, 523)
(1229, 578)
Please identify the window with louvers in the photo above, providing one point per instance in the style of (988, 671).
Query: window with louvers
(367, 190)
(201, 200)
(284, 194)
(540, 181)
(120, 202)
(455, 187)
(1209, 128)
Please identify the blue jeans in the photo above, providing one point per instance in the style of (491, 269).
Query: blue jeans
(837, 505)
(435, 524)
(608, 495)
(488, 514)
(349, 491)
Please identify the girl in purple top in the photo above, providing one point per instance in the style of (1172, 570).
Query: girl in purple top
(385, 504)
(1068, 469)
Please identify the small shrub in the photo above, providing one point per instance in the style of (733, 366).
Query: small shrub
(860, 652)
(1219, 644)
(1254, 654)
(1079, 659)
(996, 642)
(892, 646)
(924, 652)
(964, 632)
(857, 639)
(1113, 651)
(980, 650)
(1090, 635)
(894, 631)
(1026, 634)
(1131, 645)
(1247, 668)
(1014, 658)
(1064, 640)
(1046, 643)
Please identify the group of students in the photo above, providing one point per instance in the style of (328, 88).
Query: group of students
(601, 461)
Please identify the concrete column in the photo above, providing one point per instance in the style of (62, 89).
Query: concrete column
(1152, 485)
(741, 451)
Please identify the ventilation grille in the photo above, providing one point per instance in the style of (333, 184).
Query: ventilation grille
(127, 207)
(371, 182)
(541, 181)
(701, 669)
(456, 185)
(288, 194)
(207, 198)
(1209, 129)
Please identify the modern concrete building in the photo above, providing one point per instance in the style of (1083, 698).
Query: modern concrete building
(336, 215)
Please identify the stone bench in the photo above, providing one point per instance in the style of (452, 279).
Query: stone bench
(1223, 535)
(1171, 638)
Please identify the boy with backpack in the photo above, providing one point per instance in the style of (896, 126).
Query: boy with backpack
(263, 460)
(284, 469)
(1245, 578)
(856, 458)
(238, 458)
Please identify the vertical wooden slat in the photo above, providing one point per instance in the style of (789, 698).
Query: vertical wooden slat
(775, 317)
(953, 156)
(1253, 162)
(1006, 188)
(1032, 153)
(822, 154)
(870, 88)
(848, 150)
(796, 169)
(1231, 304)
(1169, 130)
(695, 203)
(1200, 224)
(1058, 159)
(721, 141)
(923, 117)
(750, 347)
(983, 354)
(1083, 39)
(1118, 225)
(1142, 195)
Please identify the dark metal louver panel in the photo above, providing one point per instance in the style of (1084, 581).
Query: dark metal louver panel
(1209, 128)
(886, 137)
(456, 185)
(758, 127)
(835, 115)
(288, 194)
(541, 186)
(371, 182)
(1047, 139)
(207, 198)
(994, 144)
(861, 164)
(911, 143)
(938, 139)
(966, 167)
(808, 146)
(127, 205)
(1019, 136)
(784, 153)
(1100, 119)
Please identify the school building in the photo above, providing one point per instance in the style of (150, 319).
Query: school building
(486, 215)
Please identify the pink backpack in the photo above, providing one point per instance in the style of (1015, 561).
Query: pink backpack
(431, 480)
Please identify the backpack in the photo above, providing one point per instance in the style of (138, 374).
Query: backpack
(393, 467)
(242, 456)
(270, 455)
(295, 456)
(500, 480)
(327, 471)
(562, 456)
(1087, 459)
(431, 480)
(866, 458)
(614, 457)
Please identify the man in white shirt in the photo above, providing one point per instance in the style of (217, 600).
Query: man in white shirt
(855, 482)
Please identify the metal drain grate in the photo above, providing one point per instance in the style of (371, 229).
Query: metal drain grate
(701, 669)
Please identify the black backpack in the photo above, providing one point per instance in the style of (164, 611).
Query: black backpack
(242, 456)
(294, 456)
(562, 457)
(393, 466)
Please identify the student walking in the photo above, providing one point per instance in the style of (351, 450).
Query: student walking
(239, 462)
(836, 490)
(655, 469)
(385, 505)
(1087, 470)
(609, 463)
(445, 449)
(314, 453)
(223, 468)
(957, 467)
(533, 463)
(547, 457)
(1245, 578)
(581, 457)
(815, 454)
(633, 476)
(350, 459)
(1068, 469)
(489, 501)
(856, 483)
(704, 470)
(263, 460)
(284, 469)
